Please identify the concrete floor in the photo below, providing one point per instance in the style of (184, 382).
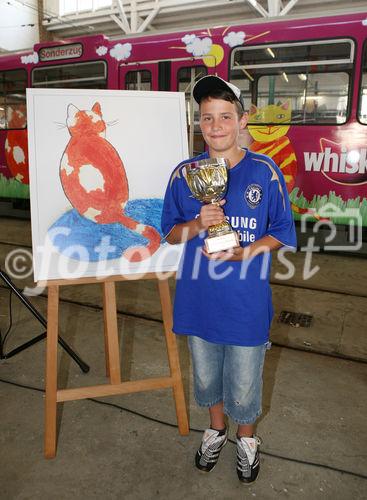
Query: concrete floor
(314, 405)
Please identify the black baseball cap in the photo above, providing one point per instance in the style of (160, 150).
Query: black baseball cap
(209, 83)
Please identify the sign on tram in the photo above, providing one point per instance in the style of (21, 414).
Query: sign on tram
(71, 51)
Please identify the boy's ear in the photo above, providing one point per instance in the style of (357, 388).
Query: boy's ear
(244, 120)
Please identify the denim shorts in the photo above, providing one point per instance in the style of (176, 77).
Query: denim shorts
(228, 373)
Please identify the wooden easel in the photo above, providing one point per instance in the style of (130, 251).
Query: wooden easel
(115, 386)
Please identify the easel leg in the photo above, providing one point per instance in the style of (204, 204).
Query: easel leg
(173, 358)
(107, 360)
(51, 370)
(111, 332)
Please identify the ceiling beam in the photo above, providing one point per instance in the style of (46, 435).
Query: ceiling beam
(133, 16)
(125, 22)
(258, 7)
(149, 19)
(182, 15)
(274, 8)
(120, 24)
(288, 7)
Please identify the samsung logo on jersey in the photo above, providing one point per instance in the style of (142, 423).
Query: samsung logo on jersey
(238, 222)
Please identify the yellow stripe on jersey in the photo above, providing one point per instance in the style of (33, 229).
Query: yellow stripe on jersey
(274, 177)
(175, 175)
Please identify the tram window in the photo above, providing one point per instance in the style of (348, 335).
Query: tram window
(314, 51)
(138, 80)
(310, 80)
(309, 98)
(362, 109)
(89, 75)
(186, 78)
(13, 112)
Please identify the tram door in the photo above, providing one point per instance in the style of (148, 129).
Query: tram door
(138, 76)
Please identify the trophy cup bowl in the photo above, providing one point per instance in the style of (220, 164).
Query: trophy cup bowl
(207, 180)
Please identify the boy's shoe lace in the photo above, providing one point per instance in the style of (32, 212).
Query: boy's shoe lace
(208, 453)
(248, 460)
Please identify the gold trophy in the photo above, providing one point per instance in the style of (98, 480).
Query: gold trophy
(207, 180)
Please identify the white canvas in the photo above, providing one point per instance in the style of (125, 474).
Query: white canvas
(148, 132)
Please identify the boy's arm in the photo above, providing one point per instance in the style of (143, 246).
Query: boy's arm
(180, 233)
(209, 215)
(265, 244)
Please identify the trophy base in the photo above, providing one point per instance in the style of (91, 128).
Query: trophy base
(220, 243)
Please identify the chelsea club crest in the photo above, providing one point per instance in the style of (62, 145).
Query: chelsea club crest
(253, 195)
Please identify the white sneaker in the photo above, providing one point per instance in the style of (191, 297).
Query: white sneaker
(211, 445)
(248, 460)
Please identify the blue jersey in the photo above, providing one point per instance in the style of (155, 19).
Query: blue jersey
(222, 301)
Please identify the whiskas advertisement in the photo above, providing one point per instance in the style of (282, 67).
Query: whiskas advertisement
(325, 167)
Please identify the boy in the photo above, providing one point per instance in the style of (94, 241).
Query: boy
(223, 300)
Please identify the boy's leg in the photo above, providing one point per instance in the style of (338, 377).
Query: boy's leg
(245, 430)
(243, 368)
(207, 363)
(242, 384)
(217, 417)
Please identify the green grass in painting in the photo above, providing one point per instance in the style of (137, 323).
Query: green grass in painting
(11, 188)
(339, 204)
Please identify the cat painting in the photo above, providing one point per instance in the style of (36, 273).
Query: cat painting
(94, 180)
(16, 143)
(268, 127)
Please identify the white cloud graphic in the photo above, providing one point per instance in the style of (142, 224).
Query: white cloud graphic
(233, 38)
(101, 50)
(121, 51)
(30, 58)
(199, 46)
(188, 39)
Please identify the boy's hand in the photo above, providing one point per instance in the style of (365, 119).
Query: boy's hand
(233, 254)
(211, 214)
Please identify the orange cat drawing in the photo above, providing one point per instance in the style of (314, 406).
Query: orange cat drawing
(268, 126)
(94, 179)
(16, 144)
